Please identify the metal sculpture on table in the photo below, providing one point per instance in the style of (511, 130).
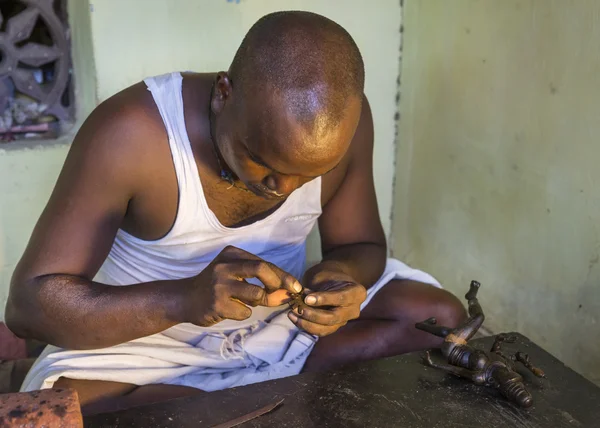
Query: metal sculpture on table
(491, 368)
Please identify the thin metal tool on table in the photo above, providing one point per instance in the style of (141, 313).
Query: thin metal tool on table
(252, 415)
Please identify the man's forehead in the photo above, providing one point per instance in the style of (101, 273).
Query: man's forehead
(303, 117)
(271, 128)
(281, 131)
(296, 151)
(301, 102)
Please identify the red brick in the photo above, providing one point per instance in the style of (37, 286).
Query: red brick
(51, 408)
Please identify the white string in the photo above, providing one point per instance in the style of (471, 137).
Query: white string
(232, 347)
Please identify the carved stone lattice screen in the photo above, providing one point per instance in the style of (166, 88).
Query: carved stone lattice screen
(36, 98)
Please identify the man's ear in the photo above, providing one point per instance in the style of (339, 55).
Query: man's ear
(221, 93)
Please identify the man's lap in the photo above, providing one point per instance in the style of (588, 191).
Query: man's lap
(372, 307)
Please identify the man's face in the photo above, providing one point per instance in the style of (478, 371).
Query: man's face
(272, 153)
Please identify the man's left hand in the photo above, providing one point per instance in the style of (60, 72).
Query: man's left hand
(333, 299)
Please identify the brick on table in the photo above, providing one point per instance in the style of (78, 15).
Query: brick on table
(51, 408)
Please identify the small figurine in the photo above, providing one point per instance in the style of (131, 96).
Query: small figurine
(483, 368)
(297, 301)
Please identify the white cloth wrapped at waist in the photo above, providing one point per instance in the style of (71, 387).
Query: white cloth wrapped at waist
(268, 349)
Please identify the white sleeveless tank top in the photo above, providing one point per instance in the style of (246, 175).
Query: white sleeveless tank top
(197, 236)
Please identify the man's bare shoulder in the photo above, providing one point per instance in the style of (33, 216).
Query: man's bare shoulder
(124, 138)
(359, 154)
(362, 142)
(124, 121)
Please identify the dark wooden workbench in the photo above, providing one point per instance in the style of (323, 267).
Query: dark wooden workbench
(395, 392)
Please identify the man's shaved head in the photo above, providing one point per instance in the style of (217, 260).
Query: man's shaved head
(309, 59)
(288, 107)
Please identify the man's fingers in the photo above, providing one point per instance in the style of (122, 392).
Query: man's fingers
(254, 295)
(288, 281)
(277, 298)
(234, 310)
(313, 328)
(270, 275)
(349, 295)
(330, 317)
(249, 294)
(282, 278)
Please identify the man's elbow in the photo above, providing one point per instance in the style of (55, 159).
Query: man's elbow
(26, 318)
(23, 317)
(20, 313)
(381, 246)
(14, 319)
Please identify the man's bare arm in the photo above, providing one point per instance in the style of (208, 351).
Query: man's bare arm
(53, 297)
(352, 237)
(353, 242)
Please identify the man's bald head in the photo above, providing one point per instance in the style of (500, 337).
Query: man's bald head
(288, 108)
(308, 61)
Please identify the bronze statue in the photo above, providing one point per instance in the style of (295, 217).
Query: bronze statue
(483, 368)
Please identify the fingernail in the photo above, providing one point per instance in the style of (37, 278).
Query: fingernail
(297, 287)
(310, 300)
(293, 317)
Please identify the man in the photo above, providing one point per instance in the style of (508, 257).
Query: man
(197, 193)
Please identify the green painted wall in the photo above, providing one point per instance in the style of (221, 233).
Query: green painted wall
(497, 175)
(117, 43)
(28, 171)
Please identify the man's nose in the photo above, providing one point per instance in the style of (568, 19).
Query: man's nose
(283, 184)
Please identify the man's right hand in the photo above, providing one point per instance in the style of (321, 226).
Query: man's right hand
(220, 291)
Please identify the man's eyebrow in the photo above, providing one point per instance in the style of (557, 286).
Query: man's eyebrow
(259, 161)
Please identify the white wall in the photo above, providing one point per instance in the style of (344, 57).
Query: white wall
(498, 163)
(133, 39)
